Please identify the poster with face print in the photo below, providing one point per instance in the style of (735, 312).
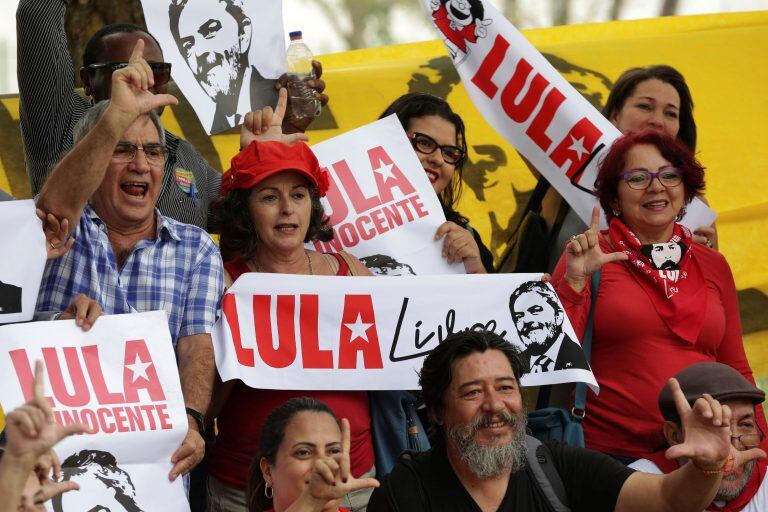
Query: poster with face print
(120, 379)
(22, 260)
(350, 333)
(226, 54)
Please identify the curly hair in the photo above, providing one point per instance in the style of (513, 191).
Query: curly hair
(674, 150)
(420, 104)
(238, 239)
(625, 85)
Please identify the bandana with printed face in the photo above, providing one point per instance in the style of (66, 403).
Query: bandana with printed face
(669, 274)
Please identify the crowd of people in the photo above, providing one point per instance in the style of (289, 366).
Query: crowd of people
(683, 432)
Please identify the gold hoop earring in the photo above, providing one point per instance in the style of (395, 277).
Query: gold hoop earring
(268, 491)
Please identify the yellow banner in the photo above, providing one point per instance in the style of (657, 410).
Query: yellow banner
(721, 56)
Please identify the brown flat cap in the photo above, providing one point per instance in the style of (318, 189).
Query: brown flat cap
(719, 380)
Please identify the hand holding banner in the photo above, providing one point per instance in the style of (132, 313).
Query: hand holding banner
(371, 334)
(530, 104)
(120, 379)
(383, 208)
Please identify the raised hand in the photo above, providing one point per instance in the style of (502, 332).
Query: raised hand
(31, 429)
(707, 430)
(56, 232)
(131, 95)
(331, 479)
(583, 255)
(706, 235)
(265, 125)
(460, 245)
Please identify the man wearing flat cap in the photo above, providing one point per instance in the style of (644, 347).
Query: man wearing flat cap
(745, 490)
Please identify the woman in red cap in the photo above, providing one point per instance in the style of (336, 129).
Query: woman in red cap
(270, 209)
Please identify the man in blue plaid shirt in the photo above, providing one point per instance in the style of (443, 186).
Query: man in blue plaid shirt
(127, 256)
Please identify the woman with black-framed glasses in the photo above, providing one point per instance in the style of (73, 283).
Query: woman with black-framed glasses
(437, 135)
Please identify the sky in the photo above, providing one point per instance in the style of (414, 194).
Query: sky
(304, 15)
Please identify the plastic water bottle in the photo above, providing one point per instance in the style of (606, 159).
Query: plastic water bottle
(303, 101)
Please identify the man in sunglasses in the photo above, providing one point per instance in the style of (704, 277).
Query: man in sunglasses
(50, 107)
(747, 489)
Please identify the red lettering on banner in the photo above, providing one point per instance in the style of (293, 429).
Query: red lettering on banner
(543, 119)
(136, 352)
(348, 235)
(92, 363)
(339, 208)
(394, 219)
(285, 353)
(107, 426)
(418, 206)
(379, 158)
(109, 420)
(24, 374)
(165, 420)
(576, 146)
(121, 420)
(483, 78)
(245, 356)
(360, 202)
(358, 311)
(135, 419)
(520, 111)
(365, 234)
(377, 216)
(311, 355)
(80, 396)
(148, 409)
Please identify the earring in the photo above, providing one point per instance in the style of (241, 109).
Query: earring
(616, 213)
(680, 214)
(268, 491)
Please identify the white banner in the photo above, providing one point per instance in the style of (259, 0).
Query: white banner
(383, 208)
(121, 380)
(353, 333)
(530, 104)
(22, 260)
(226, 54)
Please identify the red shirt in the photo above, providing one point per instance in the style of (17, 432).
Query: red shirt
(634, 353)
(242, 418)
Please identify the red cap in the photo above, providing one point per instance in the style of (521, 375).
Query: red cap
(260, 160)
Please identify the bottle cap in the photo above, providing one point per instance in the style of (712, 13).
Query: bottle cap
(294, 35)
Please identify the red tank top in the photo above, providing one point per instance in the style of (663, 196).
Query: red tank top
(242, 418)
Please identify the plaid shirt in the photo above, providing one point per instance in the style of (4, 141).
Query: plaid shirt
(180, 271)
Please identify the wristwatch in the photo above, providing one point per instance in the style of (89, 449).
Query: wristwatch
(198, 417)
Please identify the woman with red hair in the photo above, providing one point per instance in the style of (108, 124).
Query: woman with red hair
(663, 304)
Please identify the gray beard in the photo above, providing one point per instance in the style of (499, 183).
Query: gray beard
(731, 493)
(484, 461)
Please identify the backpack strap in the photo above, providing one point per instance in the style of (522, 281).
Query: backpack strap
(545, 474)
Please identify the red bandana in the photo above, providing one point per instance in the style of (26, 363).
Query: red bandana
(679, 296)
(741, 501)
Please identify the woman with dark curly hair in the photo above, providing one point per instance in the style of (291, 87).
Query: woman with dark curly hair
(270, 209)
(437, 134)
(664, 304)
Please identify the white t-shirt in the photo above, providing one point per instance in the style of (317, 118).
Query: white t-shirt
(759, 502)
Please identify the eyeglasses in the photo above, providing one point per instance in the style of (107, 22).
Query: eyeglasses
(427, 145)
(750, 439)
(640, 179)
(160, 70)
(125, 152)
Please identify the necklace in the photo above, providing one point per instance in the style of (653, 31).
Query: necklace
(257, 267)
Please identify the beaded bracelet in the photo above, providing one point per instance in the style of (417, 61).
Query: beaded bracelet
(725, 469)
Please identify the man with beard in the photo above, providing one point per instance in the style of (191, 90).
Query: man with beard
(470, 386)
(539, 319)
(747, 489)
(214, 38)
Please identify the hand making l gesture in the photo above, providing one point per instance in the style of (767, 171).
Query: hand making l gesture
(583, 255)
(267, 125)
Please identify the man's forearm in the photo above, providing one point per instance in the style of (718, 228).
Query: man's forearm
(197, 370)
(688, 488)
(77, 176)
(13, 476)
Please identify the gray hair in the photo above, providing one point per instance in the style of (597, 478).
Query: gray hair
(93, 114)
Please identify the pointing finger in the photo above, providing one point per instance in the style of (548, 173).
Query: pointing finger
(681, 404)
(595, 223)
(345, 444)
(138, 51)
(282, 103)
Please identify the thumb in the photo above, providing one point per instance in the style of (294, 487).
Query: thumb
(75, 428)
(742, 457)
(677, 451)
(614, 256)
(295, 137)
(55, 489)
(161, 100)
(363, 483)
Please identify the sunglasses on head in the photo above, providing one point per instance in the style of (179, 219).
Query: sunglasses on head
(161, 71)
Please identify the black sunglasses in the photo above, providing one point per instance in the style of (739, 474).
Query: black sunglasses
(161, 71)
(427, 145)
